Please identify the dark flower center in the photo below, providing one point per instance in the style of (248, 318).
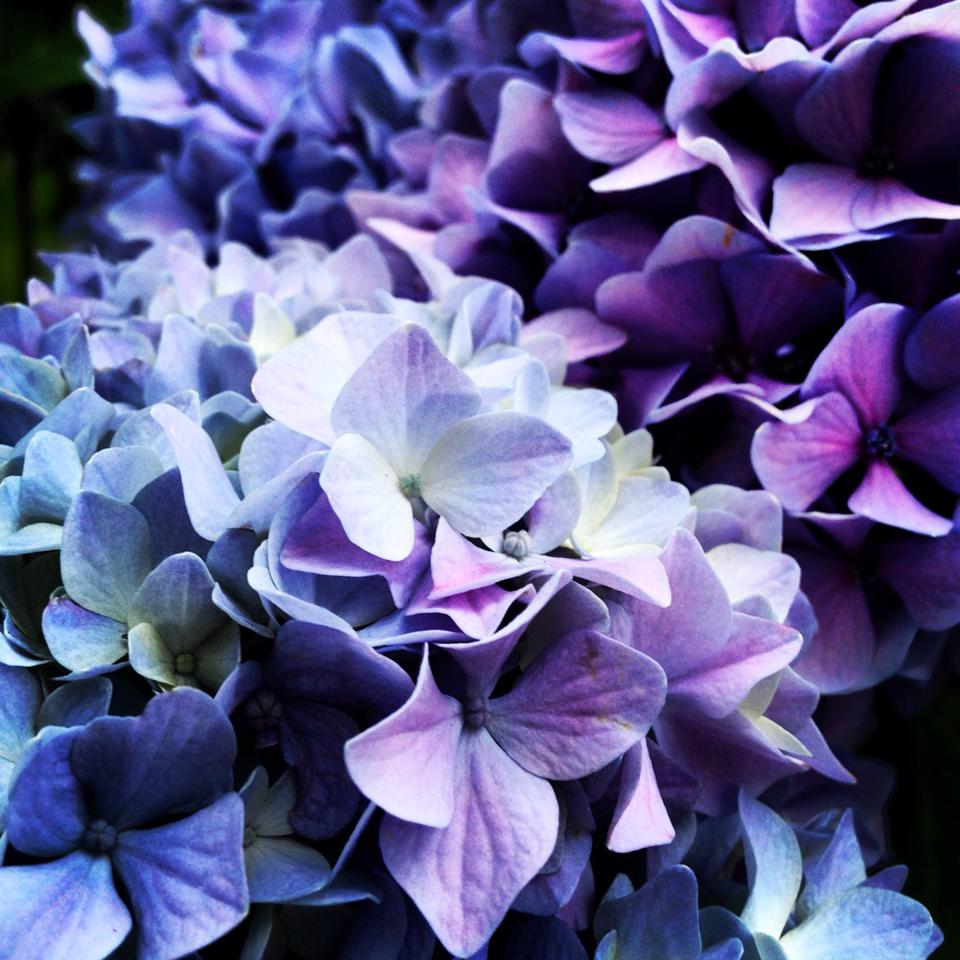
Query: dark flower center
(880, 443)
(476, 712)
(99, 837)
(878, 163)
(184, 664)
(516, 544)
(263, 710)
(249, 835)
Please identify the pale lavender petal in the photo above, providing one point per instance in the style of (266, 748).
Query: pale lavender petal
(208, 492)
(883, 497)
(818, 206)
(463, 877)
(694, 627)
(458, 565)
(407, 763)
(862, 362)
(755, 649)
(664, 160)
(640, 819)
(287, 385)
(404, 397)
(364, 491)
(798, 460)
(487, 471)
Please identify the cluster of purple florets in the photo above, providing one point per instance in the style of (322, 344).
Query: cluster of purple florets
(445, 516)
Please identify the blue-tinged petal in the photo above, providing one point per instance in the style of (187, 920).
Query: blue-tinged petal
(33, 538)
(607, 947)
(19, 705)
(280, 869)
(64, 910)
(185, 880)
(487, 471)
(312, 737)
(208, 492)
(121, 472)
(404, 397)
(174, 758)
(83, 416)
(364, 492)
(773, 867)
(80, 639)
(51, 477)
(176, 599)
(105, 554)
(862, 924)
(47, 815)
(658, 920)
(719, 929)
(542, 938)
(730, 950)
(769, 948)
(151, 657)
(34, 379)
(839, 868)
(76, 704)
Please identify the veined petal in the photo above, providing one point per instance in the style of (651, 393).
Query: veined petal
(463, 877)
(407, 763)
(404, 397)
(364, 492)
(487, 471)
(64, 910)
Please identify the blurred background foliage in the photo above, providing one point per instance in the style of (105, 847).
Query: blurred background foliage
(43, 88)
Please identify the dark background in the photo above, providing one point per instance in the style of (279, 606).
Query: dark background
(42, 87)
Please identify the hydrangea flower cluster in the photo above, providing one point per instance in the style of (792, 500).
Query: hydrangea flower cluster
(444, 517)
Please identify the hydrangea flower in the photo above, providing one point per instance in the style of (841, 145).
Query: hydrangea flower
(863, 414)
(92, 800)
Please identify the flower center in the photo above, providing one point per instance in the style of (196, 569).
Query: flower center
(516, 544)
(878, 163)
(249, 835)
(99, 837)
(184, 664)
(476, 712)
(263, 710)
(410, 486)
(880, 443)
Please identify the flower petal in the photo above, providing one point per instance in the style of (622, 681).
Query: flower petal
(64, 910)
(186, 880)
(580, 705)
(364, 492)
(487, 471)
(403, 397)
(105, 554)
(406, 764)
(463, 877)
